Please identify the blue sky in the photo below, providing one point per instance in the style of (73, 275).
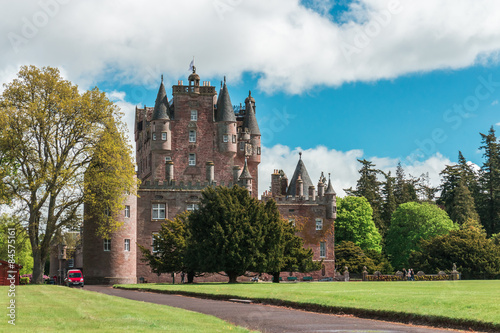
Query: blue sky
(386, 80)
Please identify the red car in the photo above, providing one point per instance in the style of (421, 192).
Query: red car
(74, 278)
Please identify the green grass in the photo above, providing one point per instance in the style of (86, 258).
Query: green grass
(460, 301)
(62, 309)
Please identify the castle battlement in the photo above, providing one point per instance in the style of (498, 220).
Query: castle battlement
(181, 186)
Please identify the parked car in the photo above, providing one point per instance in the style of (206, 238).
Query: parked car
(74, 278)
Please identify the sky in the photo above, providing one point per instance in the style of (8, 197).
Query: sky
(385, 80)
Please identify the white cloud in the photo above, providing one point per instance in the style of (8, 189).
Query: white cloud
(495, 102)
(343, 166)
(290, 47)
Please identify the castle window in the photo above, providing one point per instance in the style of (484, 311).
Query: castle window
(225, 138)
(292, 222)
(168, 158)
(319, 224)
(194, 115)
(164, 136)
(154, 243)
(258, 150)
(107, 212)
(242, 146)
(127, 211)
(159, 211)
(127, 245)
(192, 159)
(107, 245)
(234, 138)
(191, 207)
(322, 249)
(154, 136)
(192, 136)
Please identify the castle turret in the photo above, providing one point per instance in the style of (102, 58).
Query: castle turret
(246, 178)
(250, 124)
(331, 201)
(160, 122)
(275, 183)
(226, 122)
(301, 171)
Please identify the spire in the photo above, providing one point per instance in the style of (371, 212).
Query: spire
(161, 104)
(250, 121)
(304, 175)
(329, 189)
(245, 174)
(225, 110)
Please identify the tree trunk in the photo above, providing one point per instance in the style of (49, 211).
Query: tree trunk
(232, 277)
(276, 277)
(38, 267)
(190, 277)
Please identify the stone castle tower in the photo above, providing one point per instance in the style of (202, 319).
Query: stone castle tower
(195, 140)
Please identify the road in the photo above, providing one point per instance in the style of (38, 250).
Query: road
(265, 318)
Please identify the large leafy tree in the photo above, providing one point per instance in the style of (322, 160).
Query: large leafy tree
(170, 248)
(476, 256)
(412, 222)
(235, 233)
(50, 136)
(227, 232)
(355, 224)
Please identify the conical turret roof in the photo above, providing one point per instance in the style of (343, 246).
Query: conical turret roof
(329, 189)
(250, 121)
(304, 175)
(225, 110)
(245, 174)
(161, 104)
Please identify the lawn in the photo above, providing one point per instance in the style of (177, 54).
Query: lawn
(60, 309)
(460, 301)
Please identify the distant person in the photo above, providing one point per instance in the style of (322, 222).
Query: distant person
(404, 273)
(412, 274)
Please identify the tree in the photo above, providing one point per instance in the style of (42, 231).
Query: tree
(289, 252)
(369, 187)
(354, 223)
(404, 189)
(458, 184)
(476, 256)
(390, 204)
(50, 137)
(462, 208)
(350, 255)
(22, 244)
(170, 248)
(412, 222)
(226, 232)
(489, 199)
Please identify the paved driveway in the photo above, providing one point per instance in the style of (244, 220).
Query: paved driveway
(266, 318)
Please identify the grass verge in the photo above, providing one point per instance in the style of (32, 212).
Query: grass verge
(454, 304)
(60, 309)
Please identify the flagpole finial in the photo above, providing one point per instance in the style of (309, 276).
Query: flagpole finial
(162, 78)
(224, 79)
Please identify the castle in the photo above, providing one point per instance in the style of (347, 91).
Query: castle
(195, 140)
